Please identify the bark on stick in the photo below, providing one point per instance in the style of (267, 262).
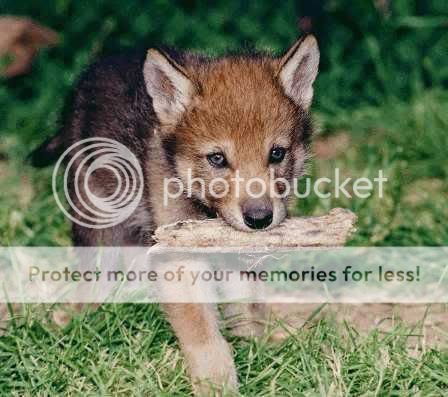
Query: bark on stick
(331, 230)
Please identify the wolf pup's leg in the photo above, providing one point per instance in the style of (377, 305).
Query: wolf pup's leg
(207, 354)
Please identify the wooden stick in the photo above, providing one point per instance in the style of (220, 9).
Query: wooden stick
(331, 230)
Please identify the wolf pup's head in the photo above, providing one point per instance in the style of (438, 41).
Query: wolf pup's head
(236, 129)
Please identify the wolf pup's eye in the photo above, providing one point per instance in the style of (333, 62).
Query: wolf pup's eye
(277, 155)
(217, 160)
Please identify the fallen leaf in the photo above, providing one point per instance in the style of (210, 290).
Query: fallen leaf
(20, 40)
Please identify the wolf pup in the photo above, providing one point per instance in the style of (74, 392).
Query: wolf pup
(178, 111)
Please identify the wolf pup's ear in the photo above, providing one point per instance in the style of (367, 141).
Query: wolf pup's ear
(168, 85)
(298, 70)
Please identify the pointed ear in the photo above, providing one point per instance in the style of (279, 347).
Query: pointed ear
(298, 70)
(168, 85)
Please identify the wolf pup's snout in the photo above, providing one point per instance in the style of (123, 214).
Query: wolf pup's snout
(257, 215)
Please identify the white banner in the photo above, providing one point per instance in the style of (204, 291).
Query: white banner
(142, 274)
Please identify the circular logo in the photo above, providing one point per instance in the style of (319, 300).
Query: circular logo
(106, 182)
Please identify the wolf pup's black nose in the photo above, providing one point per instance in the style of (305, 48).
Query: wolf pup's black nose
(256, 216)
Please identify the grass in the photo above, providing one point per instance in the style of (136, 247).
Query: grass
(391, 112)
(408, 141)
(130, 349)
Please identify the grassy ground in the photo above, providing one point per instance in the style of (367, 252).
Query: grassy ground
(130, 348)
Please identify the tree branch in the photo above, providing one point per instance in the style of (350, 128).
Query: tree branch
(331, 230)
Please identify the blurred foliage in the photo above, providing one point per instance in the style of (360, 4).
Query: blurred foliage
(371, 50)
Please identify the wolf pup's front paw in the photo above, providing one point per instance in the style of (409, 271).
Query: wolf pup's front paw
(212, 370)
